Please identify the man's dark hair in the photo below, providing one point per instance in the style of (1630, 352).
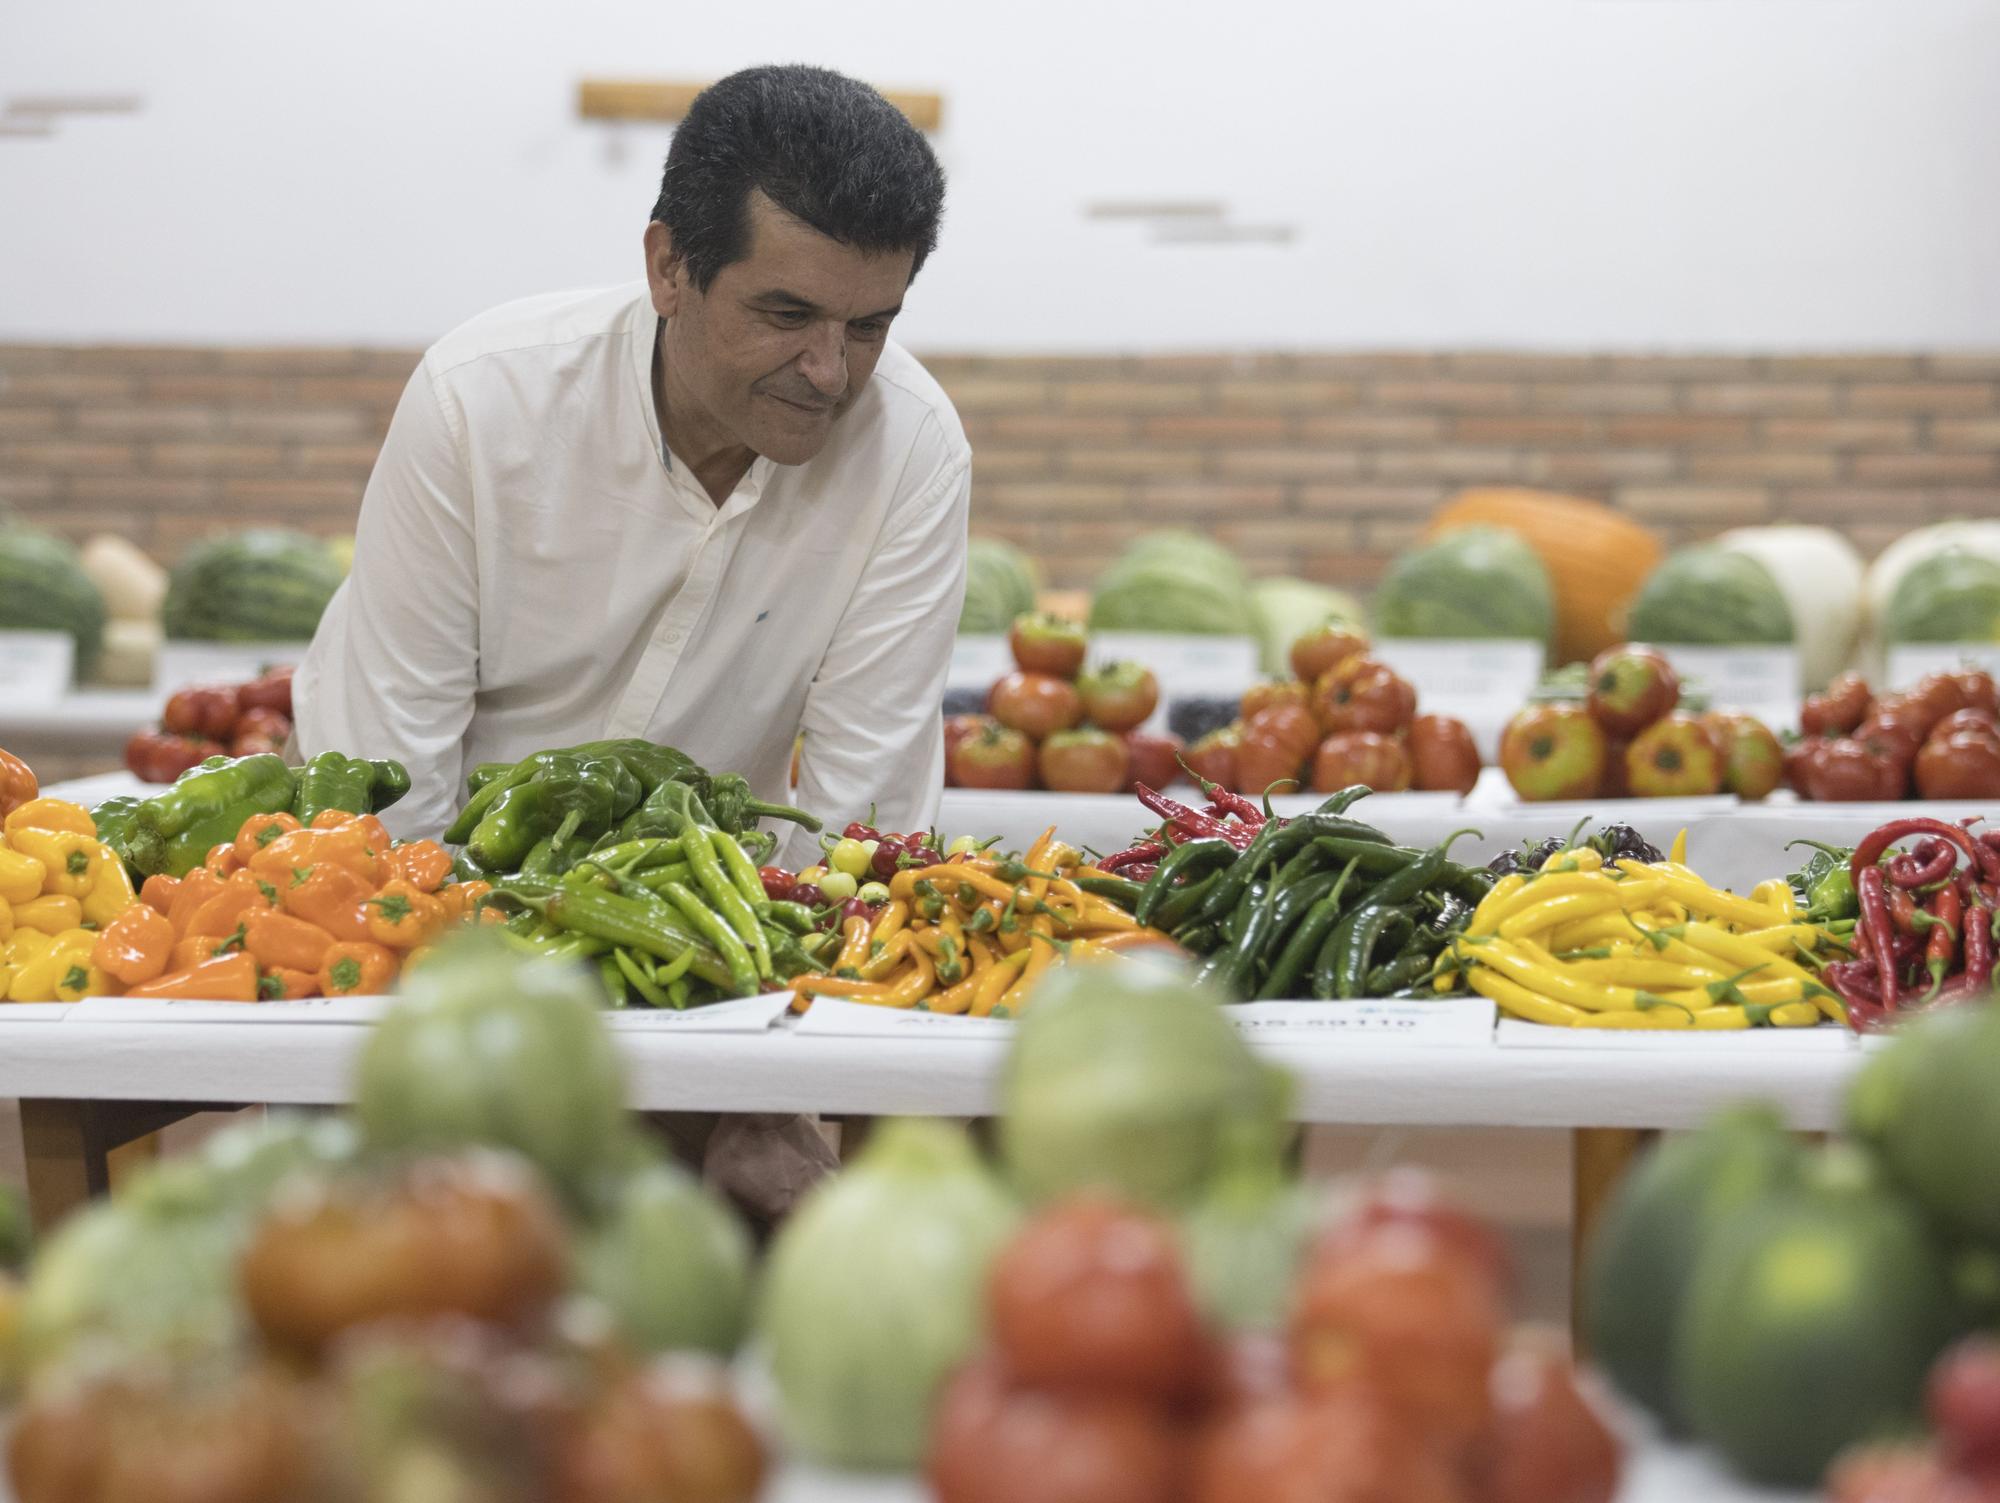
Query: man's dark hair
(823, 147)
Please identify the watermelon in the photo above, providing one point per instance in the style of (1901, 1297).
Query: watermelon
(1810, 1324)
(264, 585)
(1952, 596)
(43, 587)
(1477, 582)
(1711, 596)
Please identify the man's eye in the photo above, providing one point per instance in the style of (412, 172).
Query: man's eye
(789, 318)
(868, 328)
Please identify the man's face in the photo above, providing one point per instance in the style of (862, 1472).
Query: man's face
(783, 341)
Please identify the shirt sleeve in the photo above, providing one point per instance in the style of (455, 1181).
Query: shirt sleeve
(874, 731)
(393, 668)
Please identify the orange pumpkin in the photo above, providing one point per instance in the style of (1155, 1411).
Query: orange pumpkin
(1597, 557)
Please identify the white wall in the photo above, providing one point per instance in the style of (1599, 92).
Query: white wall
(1725, 174)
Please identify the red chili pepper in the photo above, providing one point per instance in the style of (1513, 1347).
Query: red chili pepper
(1929, 863)
(1975, 982)
(1143, 872)
(1187, 824)
(1871, 888)
(1150, 850)
(1222, 802)
(1985, 859)
(1902, 907)
(1947, 914)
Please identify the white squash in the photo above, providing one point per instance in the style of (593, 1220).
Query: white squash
(132, 584)
(1823, 578)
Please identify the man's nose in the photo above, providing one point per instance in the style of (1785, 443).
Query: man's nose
(825, 360)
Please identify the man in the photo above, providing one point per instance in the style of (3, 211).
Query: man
(715, 510)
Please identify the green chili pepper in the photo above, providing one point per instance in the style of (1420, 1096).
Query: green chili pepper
(714, 883)
(1360, 931)
(1178, 866)
(612, 977)
(738, 868)
(262, 784)
(793, 917)
(639, 923)
(669, 812)
(1236, 971)
(652, 995)
(743, 977)
(485, 773)
(1125, 893)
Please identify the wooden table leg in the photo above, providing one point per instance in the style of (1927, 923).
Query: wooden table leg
(1603, 1154)
(69, 1146)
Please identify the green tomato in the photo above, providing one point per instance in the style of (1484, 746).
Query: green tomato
(873, 892)
(838, 886)
(850, 857)
(963, 843)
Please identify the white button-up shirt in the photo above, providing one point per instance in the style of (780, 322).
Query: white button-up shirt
(532, 569)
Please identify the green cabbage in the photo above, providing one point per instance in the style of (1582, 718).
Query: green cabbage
(1174, 582)
(1000, 583)
(1286, 609)
(874, 1294)
(485, 1048)
(1912, 548)
(1477, 582)
(1127, 1078)
(1953, 596)
(672, 1265)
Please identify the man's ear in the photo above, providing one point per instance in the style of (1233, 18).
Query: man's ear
(663, 269)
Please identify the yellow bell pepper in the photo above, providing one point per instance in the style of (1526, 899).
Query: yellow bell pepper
(6, 921)
(26, 945)
(6, 979)
(50, 814)
(62, 967)
(70, 860)
(21, 877)
(112, 893)
(50, 915)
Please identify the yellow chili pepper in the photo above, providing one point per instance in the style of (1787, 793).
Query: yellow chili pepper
(1519, 1002)
(1795, 1015)
(1652, 1019)
(50, 814)
(1540, 972)
(1569, 907)
(1487, 914)
(6, 921)
(892, 919)
(21, 876)
(1698, 897)
(993, 982)
(1679, 853)
(1776, 894)
(70, 860)
(1583, 859)
(953, 999)
(894, 950)
(1739, 951)
(51, 914)
(1549, 885)
(111, 894)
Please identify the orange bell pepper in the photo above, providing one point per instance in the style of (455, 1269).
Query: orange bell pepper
(331, 819)
(357, 970)
(358, 846)
(461, 900)
(196, 888)
(424, 864)
(258, 831)
(278, 941)
(331, 896)
(136, 946)
(159, 892)
(402, 918)
(281, 984)
(226, 978)
(301, 850)
(226, 912)
(223, 861)
(17, 784)
(188, 953)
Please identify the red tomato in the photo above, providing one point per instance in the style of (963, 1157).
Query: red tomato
(1267, 763)
(1895, 733)
(1093, 1295)
(1938, 694)
(1035, 704)
(956, 729)
(1364, 695)
(1963, 1401)
(1979, 690)
(157, 757)
(995, 1442)
(1965, 765)
(271, 692)
(995, 757)
(1213, 757)
(1897, 1474)
(1977, 721)
(1839, 709)
(665, 1432)
(1411, 1198)
(1345, 1446)
(1084, 761)
(1291, 725)
(1548, 1444)
(1350, 757)
(1274, 692)
(1156, 760)
(1042, 643)
(1326, 648)
(1402, 1314)
(1801, 757)
(1443, 756)
(206, 710)
(1846, 771)
(1118, 696)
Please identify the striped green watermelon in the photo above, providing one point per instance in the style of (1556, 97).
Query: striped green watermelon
(43, 587)
(264, 585)
(1711, 596)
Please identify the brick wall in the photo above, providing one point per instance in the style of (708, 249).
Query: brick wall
(1323, 465)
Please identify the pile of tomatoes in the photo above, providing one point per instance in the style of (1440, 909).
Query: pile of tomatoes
(1346, 718)
(214, 720)
(1054, 724)
(1939, 739)
(1394, 1377)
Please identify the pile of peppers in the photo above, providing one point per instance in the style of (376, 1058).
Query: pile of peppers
(1318, 906)
(541, 815)
(171, 833)
(1924, 918)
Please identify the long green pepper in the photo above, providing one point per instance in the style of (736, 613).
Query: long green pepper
(712, 927)
(715, 883)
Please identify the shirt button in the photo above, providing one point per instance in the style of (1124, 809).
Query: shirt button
(672, 639)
